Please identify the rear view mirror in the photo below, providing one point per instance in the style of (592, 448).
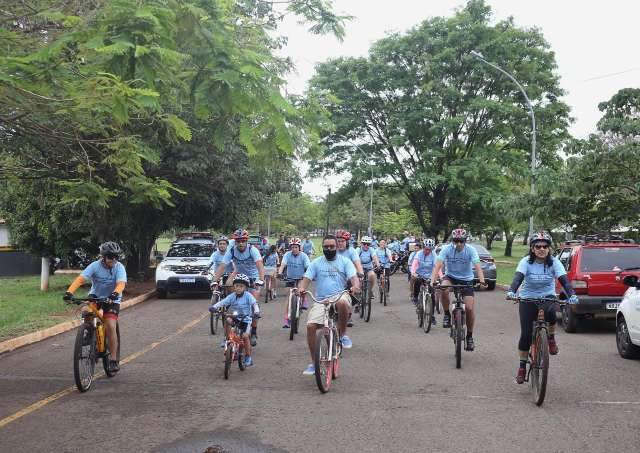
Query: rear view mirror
(631, 280)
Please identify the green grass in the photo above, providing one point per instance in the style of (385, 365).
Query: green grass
(24, 308)
(506, 265)
(163, 244)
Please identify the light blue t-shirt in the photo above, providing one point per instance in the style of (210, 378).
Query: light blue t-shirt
(307, 247)
(296, 265)
(330, 276)
(459, 265)
(245, 305)
(539, 279)
(384, 256)
(349, 253)
(216, 259)
(103, 280)
(366, 257)
(271, 260)
(374, 243)
(394, 246)
(425, 264)
(244, 262)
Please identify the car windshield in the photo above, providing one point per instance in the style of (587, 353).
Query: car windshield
(481, 250)
(604, 259)
(190, 250)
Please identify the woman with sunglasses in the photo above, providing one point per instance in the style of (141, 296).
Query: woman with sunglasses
(108, 278)
(537, 273)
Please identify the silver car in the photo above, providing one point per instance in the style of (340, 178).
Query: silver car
(488, 265)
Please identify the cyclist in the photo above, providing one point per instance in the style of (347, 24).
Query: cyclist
(307, 246)
(296, 262)
(459, 260)
(245, 304)
(330, 272)
(246, 260)
(270, 267)
(374, 241)
(108, 278)
(394, 245)
(421, 270)
(385, 258)
(368, 259)
(417, 247)
(216, 259)
(344, 248)
(537, 273)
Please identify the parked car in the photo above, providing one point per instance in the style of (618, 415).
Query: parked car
(180, 270)
(628, 318)
(488, 265)
(593, 265)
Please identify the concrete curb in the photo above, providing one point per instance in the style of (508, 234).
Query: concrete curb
(34, 337)
(503, 287)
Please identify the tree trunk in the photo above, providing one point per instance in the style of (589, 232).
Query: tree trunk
(509, 247)
(525, 241)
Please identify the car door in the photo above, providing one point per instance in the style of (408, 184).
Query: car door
(633, 295)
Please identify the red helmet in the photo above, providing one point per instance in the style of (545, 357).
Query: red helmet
(540, 236)
(459, 233)
(241, 234)
(294, 241)
(343, 234)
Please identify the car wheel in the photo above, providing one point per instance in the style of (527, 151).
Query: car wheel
(626, 348)
(569, 320)
(491, 286)
(162, 293)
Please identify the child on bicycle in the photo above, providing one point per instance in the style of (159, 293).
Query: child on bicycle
(243, 302)
(108, 278)
(537, 273)
(270, 267)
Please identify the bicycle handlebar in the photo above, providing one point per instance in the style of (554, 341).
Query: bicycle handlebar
(330, 299)
(536, 299)
(468, 285)
(79, 300)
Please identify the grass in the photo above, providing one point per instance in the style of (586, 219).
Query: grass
(24, 308)
(506, 265)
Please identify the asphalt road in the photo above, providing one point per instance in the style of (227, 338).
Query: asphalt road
(399, 390)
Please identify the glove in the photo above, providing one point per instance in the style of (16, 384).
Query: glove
(259, 283)
(573, 300)
(212, 308)
(67, 296)
(113, 297)
(510, 295)
(360, 275)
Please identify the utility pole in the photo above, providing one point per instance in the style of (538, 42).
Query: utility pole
(326, 230)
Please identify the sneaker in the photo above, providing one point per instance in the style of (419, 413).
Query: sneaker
(310, 371)
(470, 346)
(346, 342)
(522, 372)
(446, 321)
(254, 339)
(553, 346)
(287, 324)
(114, 366)
(248, 361)
(433, 321)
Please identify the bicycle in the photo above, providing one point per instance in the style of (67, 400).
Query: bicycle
(234, 343)
(425, 307)
(218, 292)
(294, 304)
(538, 363)
(91, 344)
(383, 286)
(328, 347)
(458, 320)
(365, 297)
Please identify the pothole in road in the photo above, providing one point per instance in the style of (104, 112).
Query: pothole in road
(218, 441)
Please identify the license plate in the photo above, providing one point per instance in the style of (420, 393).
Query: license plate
(187, 280)
(613, 305)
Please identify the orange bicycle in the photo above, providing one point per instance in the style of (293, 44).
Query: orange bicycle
(91, 343)
(234, 343)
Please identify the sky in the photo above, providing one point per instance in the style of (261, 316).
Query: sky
(595, 42)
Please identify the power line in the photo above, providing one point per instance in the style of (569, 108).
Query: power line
(611, 75)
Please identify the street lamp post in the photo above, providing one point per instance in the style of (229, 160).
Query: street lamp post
(370, 229)
(533, 127)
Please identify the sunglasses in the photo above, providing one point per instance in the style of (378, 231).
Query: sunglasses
(111, 257)
(540, 246)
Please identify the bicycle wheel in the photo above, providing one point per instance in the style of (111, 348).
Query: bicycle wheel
(539, 366)
(293, 320)
(420, 310)
(366, 308)
(107, 356)
(427, 304)
(84, 357)
(228, 358)
(385, 291)
(241, 358)
(267, 291)
(335, 364)
(363, 298)
(213, 317)
(323, 361)
(458, 335)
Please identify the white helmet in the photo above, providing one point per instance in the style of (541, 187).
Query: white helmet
(429, 243)
(365, 240)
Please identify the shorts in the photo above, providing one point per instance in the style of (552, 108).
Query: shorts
(110, 311)
(466, 292)
(268, 271)
(245, 327)
(316, 314)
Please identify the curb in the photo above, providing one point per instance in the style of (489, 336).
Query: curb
(34, 337)
(503, 287)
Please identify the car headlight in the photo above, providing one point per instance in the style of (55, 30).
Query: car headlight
(165, 267)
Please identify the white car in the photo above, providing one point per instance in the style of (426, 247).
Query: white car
(628, 320)
(180, 270)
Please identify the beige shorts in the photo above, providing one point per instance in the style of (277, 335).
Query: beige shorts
(316, 313)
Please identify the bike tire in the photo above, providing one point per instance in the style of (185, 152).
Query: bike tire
(241, 358)
(335, 363)
(84, 357)
(322, 361)
(458, 335)
(228, 359)
(363, 297)
(420, 312)
(367, 308)
(107, 356)
(540, 364)
(213, 317)
(292, 315)
(267, 293)
(427, 304)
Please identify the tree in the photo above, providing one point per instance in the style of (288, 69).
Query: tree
(434, 119)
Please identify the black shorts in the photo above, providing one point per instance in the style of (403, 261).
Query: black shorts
(466, 292)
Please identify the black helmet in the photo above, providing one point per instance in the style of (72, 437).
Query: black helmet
(110, 248)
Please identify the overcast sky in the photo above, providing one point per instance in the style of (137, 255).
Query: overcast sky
(595, 42)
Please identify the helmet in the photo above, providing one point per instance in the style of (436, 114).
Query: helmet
(429, 243)
(294, 241)
(241, 234)
(222, 238)
(540, 236)
(242, 278)
(365, 240)
(459, 233)
(110, 248)
(343, 234)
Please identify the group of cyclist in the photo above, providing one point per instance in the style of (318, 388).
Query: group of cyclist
(242, 268)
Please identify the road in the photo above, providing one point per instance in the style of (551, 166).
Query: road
(399, 390)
